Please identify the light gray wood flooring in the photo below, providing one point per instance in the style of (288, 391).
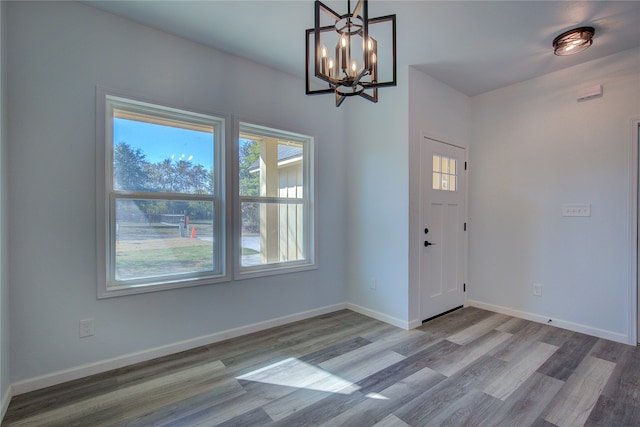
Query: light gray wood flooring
(468, 368)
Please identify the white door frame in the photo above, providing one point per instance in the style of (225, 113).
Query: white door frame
(634, 220)
(465, 250)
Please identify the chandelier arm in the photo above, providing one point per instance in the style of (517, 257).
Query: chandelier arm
(359, 5)
(373, 98)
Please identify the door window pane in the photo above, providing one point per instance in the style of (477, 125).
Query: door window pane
(444, 173)
(436, 180)
(436, 163)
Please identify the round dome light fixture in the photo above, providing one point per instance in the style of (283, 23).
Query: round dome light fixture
(573, 41)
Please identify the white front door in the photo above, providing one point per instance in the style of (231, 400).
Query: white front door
(442, 263)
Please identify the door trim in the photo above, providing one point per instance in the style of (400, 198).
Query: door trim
(465, 250)
(634, 225)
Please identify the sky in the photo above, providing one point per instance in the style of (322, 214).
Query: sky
(160, 142)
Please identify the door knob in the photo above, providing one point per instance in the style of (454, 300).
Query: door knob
(426, 243)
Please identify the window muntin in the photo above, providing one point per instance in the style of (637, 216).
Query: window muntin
(275, 200)
(445, 176)
(164, 219)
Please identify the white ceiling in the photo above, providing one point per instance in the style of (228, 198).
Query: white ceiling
(472, 46)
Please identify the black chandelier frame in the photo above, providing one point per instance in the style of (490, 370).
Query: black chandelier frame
(342, 75)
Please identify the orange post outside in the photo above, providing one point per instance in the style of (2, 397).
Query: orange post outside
(193, 232)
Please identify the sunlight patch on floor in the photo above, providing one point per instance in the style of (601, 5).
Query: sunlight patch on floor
(292, 372)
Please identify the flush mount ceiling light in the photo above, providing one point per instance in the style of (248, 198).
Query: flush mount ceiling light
(350, 54)
(573, 41)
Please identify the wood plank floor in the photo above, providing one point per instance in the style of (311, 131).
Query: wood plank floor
(468, 368)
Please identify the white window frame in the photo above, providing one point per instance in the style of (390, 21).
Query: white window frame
(308, 201)
(106, 196)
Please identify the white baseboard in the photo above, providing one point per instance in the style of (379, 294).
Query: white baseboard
(6, 399)
(379, 316)
(576, 327)
(81, 371)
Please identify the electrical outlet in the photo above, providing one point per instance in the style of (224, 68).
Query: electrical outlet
(537, 289)
(86, 328)
(373, 284)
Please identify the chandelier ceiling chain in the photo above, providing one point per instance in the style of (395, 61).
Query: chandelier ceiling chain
(343, 56)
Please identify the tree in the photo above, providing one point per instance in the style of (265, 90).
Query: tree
(250, 183)
(211, 182)
(133, 172)
(130, 168)
(249, 156)
(178, 177)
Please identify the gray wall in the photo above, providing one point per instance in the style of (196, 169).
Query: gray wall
(535, 148)
(57, 53)
(377, 179)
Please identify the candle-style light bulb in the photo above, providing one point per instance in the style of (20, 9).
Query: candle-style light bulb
(343, 52)
(373, 67)
(323, 60)
(354, 68)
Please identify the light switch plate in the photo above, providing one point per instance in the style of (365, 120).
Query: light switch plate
(86, 328)
(576, 210)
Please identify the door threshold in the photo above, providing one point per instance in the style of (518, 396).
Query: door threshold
(441, 314)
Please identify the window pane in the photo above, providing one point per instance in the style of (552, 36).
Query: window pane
(436, 163)
(161, 237)
(272, 233)
(270, 167)
(163, 170)
(445, 177)
(445, 182)
(436, 181)
(445, 164)
(249, 155)
(276, 194)
(166, 155)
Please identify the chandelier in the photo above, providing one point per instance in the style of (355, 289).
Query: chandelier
(343, 57)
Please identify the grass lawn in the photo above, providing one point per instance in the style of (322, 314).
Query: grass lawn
(159, 256)
(162, 261)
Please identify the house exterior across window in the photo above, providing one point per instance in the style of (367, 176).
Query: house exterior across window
(275, 201)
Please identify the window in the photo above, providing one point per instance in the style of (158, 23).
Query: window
(161, 176)
(275, 205)
(444, 173)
